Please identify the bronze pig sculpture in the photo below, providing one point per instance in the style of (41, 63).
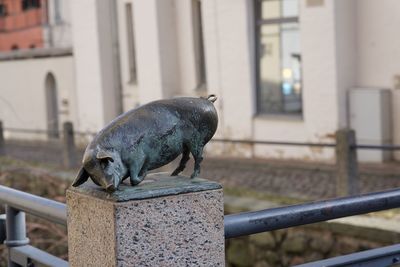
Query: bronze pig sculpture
(147, 138)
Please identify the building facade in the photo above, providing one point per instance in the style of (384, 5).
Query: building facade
(283, 70)
(21, 24)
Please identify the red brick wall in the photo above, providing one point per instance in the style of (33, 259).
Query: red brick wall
(22, 28)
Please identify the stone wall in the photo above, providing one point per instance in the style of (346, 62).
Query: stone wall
(307, 243)
(292, 246)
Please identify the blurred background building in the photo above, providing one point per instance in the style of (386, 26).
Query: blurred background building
(284, 70)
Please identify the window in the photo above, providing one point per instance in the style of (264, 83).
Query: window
(29, 4)
(57, 12)
(3, 10)
(14, 47)
(198, 44)
(278, 57)
(131, 43)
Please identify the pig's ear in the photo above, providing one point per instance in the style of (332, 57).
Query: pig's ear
(82, 177)
(104, 155)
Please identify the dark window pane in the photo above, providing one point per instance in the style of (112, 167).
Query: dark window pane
(3, 10)
(199, 44)
(270, 73)
(24, 4)
(279, 59)
(28, 4)
(131, 43)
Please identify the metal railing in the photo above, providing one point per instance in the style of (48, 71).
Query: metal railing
(347, 179)
(20, 253)
(260, 142)
(278, 218)
(248, 223)
(304, 144)
(67, 141)
(17, 203)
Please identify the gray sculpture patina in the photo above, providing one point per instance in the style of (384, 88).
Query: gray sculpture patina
(147, 138)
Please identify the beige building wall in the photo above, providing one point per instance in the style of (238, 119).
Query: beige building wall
(344, 44)
(96, 58)
(23, 93)
(332, 64)
(378, 51)
(231, 68)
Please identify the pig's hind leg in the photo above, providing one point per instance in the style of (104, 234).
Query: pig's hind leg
(197, 152)
(182, 163)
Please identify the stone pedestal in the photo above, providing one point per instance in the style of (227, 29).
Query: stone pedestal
(164, 221)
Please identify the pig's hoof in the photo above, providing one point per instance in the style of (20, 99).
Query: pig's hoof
(135, 181)
(175, 173)
(110, 188)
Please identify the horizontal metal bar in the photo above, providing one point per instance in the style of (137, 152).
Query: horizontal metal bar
(36, 131)
(84, 133)
(31, 256)
(283, 217)
(385, 256)
(44, 208)
(273, 142)
(41, 131)
(381, 147)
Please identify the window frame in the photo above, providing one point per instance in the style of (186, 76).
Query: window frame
(258, 23)
(198, 45)
(131, 43)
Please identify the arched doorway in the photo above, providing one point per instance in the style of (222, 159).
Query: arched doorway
(52, 106)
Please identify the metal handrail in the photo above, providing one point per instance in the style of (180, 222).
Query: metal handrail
(260, 142)
(381, 147)
(34, 131)
(244, 141)
(41, 207)
(248, 223)
(235, 225)
(20, 255)
(238, 141)
(383, 256)
(43, 131)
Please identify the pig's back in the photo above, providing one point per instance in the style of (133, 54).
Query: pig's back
(160, 117)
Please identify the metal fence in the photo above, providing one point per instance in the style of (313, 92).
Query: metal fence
(347, 179)
(13, 229)
(17, 203)
(22, 254)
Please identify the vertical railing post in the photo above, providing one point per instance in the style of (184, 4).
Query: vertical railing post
(2, 228)
(2, 143)
(69, 151)
(15, 231)
(347, 181)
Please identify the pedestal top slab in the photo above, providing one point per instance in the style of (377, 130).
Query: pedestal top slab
(154, 185)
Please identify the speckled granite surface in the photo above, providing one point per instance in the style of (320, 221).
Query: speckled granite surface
(178, 228)
(91, 231)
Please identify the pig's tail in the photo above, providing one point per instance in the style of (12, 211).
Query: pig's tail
(212, 98)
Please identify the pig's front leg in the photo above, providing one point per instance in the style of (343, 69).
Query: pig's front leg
(136, 171)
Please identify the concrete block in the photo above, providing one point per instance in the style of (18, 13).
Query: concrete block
(164, 221)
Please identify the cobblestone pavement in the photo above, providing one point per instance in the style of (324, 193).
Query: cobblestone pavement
(303, 180)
